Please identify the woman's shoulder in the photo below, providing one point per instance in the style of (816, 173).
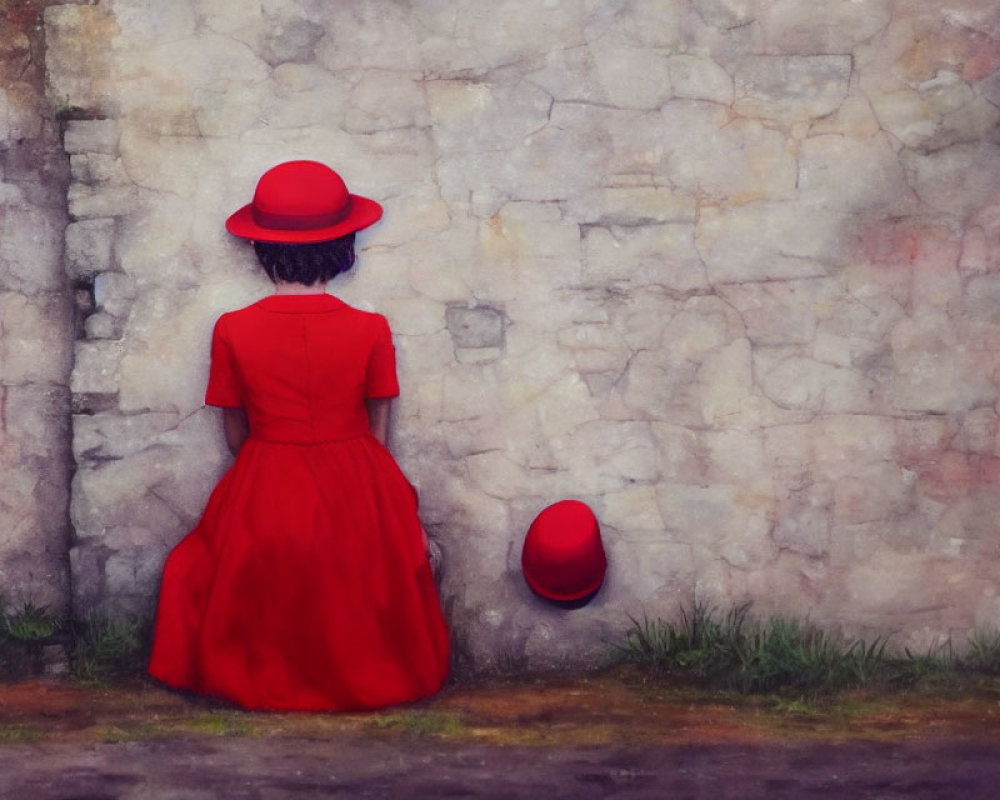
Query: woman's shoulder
(361, 316)
(321, 307)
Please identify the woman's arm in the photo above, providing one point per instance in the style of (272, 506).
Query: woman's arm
(378, 417)
(236, 428)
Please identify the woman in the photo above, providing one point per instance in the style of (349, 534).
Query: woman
(306, 583)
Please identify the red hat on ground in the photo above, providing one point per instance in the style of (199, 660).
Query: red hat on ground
(300, 202)
(563, 556)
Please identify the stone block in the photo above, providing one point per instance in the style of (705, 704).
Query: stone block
(114, 293)
(78, 55)
(477, 327)
(165, 360)
(629, 206)
(933, 372)
(802, 383)
(20, 115)
(725, 381)
(736, 457)
(790, 26)
(874, 493)
(783, 312)
(96, 368)
(499, 475)
(557, 160)
(694, 77)
(568, 74)
(109, 436)
(661, 387)
(634, 509)
(685, 143)
(113, 201)
(86, 562)
(34, 347)
(978, 433)
(87, 136)
(112, 501)
(661, 255)
(29, 245)
(133, 571)
(804, 522)
(382, 21)
(595, 347)
(170, 164)
(414, 316)
(616, 70)
(707, 515)
(981, 248)
(36, 417)
(88, 247)
(875, 182)
(935, 114)
(608, 456)
(797, 87)
(93, 168)
(386, 101)
(290, 39)
(770, 241)
(725, 14)
(846, 444)
(959, 180)
(101, 325)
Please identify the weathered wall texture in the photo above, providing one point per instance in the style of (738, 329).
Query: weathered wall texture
(35, 325)
(728, 271)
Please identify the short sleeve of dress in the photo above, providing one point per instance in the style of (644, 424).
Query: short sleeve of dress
(224, 386)
(380, 379)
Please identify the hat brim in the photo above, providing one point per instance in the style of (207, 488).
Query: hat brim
(364, 212)
(564, 597)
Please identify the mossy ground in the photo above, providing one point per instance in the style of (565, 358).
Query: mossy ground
(616, 707)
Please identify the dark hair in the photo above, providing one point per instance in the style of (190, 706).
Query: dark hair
(306, 263)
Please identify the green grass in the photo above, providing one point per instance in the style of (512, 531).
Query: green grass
(107, 647)
(732, 651)
(16, 734)
(221, 724)
(984, 652)
(101, 647)
(426, 723)
(31, 623)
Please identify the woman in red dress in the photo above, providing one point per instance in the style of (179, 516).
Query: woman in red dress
(306, 584)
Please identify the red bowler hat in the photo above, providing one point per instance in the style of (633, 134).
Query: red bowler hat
(299, 202)
(563, 556)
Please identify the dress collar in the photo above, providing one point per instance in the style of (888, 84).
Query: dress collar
(301, 303)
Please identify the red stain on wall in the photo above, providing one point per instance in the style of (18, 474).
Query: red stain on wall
(892, 243)
(953, 48)
(952, 475)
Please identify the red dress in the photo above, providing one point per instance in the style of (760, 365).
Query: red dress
(305, 585)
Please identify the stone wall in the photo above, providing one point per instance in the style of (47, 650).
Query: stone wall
(728, 271)
(36, 325)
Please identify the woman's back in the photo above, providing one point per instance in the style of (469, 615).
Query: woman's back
(302, 367)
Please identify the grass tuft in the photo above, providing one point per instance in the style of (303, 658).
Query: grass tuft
(109, 647)
(780, 654)
(419, 724)
(31, 623)
(984, 652)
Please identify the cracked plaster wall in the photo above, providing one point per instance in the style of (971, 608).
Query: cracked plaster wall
(728, 271)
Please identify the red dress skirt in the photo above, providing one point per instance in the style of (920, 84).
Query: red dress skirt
(305, 585)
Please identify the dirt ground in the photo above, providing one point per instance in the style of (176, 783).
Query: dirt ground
(581, 738)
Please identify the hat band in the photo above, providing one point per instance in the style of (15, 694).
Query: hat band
(299, 222)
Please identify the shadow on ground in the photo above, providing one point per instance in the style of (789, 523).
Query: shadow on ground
(594, 737)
